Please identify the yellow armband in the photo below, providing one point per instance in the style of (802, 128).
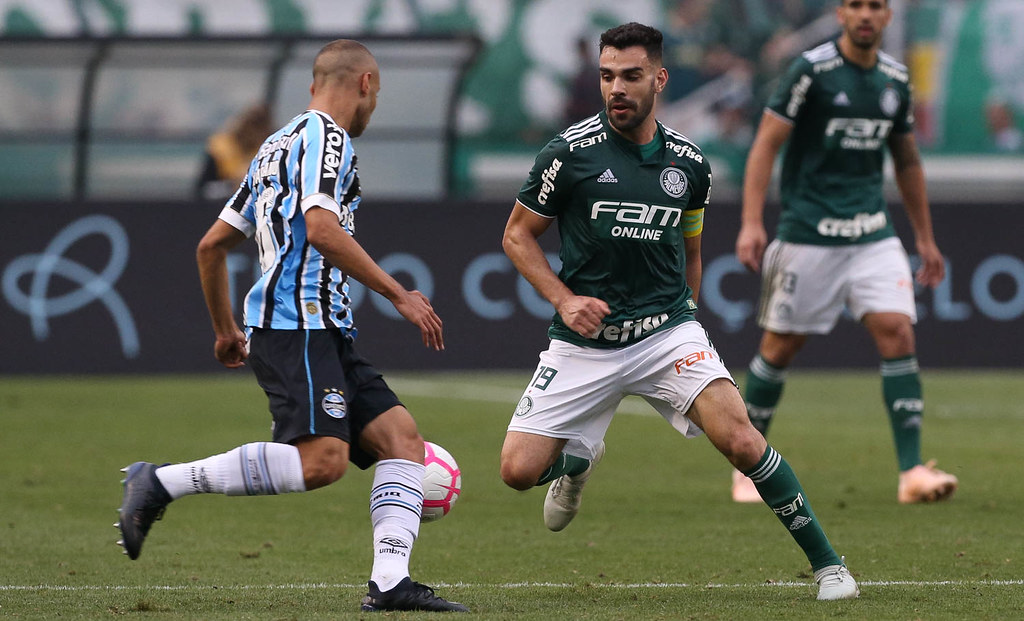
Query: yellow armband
(693, 222)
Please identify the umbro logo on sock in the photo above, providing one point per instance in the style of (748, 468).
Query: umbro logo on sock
(607, 177)
(799, 522)
(394, 542)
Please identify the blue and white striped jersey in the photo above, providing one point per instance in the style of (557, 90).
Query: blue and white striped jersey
(307, 163)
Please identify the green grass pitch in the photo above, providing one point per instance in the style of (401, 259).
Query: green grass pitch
(657, 538)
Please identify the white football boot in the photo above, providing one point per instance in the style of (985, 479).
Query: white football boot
(835, 582)
(562, 502)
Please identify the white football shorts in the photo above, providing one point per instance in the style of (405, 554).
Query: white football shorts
(804, 287)
(575, 390)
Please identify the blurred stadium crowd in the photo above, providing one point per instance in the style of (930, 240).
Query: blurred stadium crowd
(535, 70)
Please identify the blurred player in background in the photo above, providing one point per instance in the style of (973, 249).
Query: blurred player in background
(839, 106)
(629, 195)
(230, 150)
(329, 405)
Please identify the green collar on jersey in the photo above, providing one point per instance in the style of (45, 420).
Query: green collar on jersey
(646, 153)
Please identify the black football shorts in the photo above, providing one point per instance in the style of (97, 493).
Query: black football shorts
(317, 384)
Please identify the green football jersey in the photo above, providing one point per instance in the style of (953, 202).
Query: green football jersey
(620, 220)
(842, 116)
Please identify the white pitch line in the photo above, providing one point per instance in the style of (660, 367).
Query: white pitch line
(507, 585)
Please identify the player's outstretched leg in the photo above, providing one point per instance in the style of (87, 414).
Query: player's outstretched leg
(835, 582)
(778, 486)
(143, 503)
(562, 502)
(407, 595)
(395, 502)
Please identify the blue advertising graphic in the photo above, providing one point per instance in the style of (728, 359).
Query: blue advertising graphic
(113, 288)
(36, 302)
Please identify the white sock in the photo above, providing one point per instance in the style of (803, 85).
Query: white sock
(396, 502)
(254, 469)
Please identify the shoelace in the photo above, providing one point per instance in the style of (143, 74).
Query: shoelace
(569, 495)
(419, 586)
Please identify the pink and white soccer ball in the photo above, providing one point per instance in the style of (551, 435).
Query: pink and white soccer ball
(442, 482)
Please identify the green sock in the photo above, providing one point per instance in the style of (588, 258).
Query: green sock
(565, 464)
(781, 491)
(762, 393)
(901, 390)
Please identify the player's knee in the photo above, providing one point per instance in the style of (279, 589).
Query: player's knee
(323, 467)
(321, 475)
(744, 447)
(393, 435)
(898, 342)
(893, 334)
(404, 443)
(518, 476)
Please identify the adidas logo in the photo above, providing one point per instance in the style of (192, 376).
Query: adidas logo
(799, 522)
(841, 99)
(607, 177)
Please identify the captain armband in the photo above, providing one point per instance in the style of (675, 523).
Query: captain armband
(693, 222)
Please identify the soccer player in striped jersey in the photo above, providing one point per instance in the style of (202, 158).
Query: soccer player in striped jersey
(329, 405)
(839, 106)
(629, 196)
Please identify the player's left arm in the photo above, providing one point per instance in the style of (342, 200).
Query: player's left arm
(694, 267)
(693, 227)
(910, 179)
(325, 233)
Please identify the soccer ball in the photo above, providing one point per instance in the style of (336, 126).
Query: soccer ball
(442, 482)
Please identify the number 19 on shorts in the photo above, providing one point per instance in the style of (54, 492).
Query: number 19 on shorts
(543, 377)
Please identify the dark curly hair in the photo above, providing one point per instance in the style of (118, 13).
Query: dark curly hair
(628, 35)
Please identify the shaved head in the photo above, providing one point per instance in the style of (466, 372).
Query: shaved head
(341, 60)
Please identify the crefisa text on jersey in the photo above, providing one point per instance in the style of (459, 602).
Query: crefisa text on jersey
(630, 329)
(547, 179)
(685, 150)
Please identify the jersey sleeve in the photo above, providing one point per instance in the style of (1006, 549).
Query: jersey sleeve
(240, 210)
(549, 184)
(326, 155)
(790, 95)
(701, 196)
(904, 121)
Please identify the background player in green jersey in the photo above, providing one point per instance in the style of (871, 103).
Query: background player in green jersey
(629, 196)
(839, 106)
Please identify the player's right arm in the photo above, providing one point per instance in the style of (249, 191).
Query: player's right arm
(547, 190)
(752, 239)
(581, 314)
(211, 256)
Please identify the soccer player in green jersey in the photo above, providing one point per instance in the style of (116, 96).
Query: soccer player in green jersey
(839, 106)
(629, 196)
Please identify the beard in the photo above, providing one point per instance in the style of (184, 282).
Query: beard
(358, 126)
(630, 121)
(865, 42)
